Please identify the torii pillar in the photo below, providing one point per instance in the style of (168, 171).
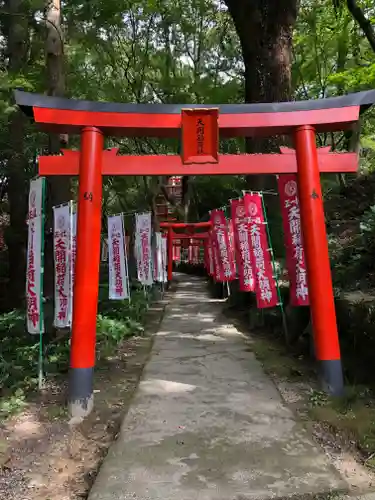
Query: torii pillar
(86, 281)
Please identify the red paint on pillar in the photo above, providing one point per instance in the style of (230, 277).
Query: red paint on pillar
(170, 254)
(86, 282)
(327, 346)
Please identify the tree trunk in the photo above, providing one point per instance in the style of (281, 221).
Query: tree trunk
(363, 21)
(55, 75)
(59, 187)
(265, 29)
(17, 160)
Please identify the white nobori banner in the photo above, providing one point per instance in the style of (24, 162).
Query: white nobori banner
(158, 262)
(62, 251)
(118, 275)
(164, 259)
(35, 198)
(74, 246)
(143, 248)
(34, 276)
(34, 271)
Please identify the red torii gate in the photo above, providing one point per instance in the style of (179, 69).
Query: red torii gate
(190, 226)
(199, 128)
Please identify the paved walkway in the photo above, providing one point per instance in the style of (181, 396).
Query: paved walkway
(206, 422)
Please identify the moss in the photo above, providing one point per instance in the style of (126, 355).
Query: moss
(354, 415)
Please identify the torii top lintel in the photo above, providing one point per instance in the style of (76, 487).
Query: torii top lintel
(55, 114)
(186, 225)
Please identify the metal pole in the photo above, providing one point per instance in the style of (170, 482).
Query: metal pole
(275, 272)
(322, 304)
(41, 296)
(86, 283)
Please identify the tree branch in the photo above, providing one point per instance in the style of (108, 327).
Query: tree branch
(363, 22)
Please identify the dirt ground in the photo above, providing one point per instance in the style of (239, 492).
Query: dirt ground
(42, 457)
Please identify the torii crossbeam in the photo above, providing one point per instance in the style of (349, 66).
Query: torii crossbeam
(199, 128)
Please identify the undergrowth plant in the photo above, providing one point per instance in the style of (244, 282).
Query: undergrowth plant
(116, 321)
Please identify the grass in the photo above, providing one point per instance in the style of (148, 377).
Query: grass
(56, 411)
(275, 358)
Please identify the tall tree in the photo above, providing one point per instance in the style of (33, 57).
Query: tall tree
(55, 74)
(58, 188)
(17, 160)
(265, 29)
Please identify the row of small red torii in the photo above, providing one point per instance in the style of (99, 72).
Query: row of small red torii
(198, 127)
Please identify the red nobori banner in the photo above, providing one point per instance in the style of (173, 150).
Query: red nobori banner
(220, 231)
(190, 252)
(210, 257)
(265, 284)
(176, 253)
(205, 257)
(195, 254)
(217, 274)
(231, 243)
(242, 243)
(295, 257)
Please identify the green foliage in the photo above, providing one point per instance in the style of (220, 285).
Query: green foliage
(331, 57)
(214, 192)
(18, 351)
(116, 321)
(356, 322)
(354, 258)
(163, 51)
(318, 398)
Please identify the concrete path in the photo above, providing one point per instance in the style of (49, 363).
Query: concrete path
(206, 422)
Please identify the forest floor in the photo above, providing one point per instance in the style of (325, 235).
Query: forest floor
(344, 428)
(43, 456)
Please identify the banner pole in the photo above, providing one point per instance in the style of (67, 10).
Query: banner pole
(164, 267)
(41, 316)
(285, 326)
(126, 258)
(71, 209)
